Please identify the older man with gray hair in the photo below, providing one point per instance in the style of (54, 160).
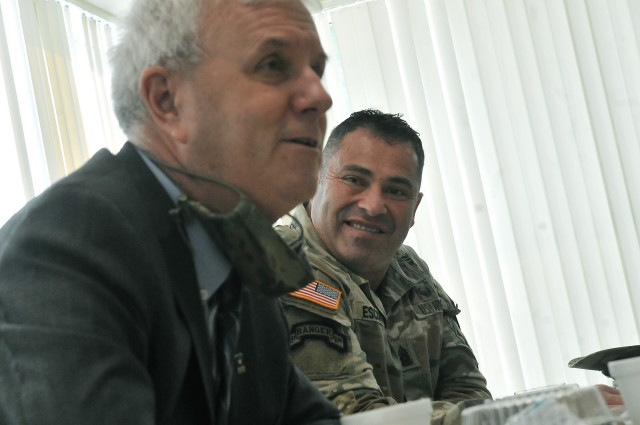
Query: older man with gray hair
(142, 288)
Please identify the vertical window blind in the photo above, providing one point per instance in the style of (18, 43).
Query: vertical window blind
(55, 106)
(529, 113)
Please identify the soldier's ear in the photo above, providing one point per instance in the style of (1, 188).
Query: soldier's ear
(413, 218)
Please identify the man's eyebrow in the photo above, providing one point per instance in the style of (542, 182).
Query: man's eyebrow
(357, 169)
(282, 43)
(366, 172)
(275, 42)
(401, 180)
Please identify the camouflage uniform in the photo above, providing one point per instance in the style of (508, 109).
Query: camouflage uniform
(365, 350)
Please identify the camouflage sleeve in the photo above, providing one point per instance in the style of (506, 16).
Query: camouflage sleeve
(460, 378)
(325, 348)
(446, 413)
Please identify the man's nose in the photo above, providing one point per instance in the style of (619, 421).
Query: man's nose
(312, 95)
(372, 202)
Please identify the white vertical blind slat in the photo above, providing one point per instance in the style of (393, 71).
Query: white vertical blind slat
(433, 220)
(358, 51)
(517, 208)
(596, 238)
(333, 77)
(423, 115)
(535, 234)
(40, 83)
(406, 65)
(47, 128)
(464, 193)
(469, 99)
(97, 78)
(61, 58)
(579, 301)
(13, 111)
(618, 131)
(388, 57)
(621, 172)
(602, 200)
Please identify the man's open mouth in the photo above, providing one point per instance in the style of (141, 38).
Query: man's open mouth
(364, 228)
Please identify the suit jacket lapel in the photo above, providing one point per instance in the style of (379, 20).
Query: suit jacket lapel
(185, 289)
(179, 262)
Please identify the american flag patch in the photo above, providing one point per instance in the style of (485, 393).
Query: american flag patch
(319, 293)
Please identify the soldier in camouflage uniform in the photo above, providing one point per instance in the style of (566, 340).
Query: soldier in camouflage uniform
(375, 328)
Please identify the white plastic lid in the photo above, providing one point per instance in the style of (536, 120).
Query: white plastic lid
(417, 412)
(624, 367)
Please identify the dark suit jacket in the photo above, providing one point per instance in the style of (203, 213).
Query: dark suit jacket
(101, 320)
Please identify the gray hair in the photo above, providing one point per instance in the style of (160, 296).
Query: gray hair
(157, 33)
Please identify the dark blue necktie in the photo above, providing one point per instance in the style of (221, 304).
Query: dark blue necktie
(224, 325)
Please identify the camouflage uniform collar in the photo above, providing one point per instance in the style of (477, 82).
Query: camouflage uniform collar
(311, 236)
(403, 258)
(397, 282)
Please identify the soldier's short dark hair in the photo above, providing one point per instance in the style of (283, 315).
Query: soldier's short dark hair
(389, 127)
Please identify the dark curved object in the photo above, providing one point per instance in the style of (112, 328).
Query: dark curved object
(600, 359)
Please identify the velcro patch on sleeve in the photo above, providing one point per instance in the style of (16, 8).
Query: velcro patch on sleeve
(326, 332)
(319, 293)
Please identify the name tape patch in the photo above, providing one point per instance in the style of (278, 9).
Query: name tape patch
(320, 293)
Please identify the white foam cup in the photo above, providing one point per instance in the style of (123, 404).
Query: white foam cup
(416, 412)
(626, 373)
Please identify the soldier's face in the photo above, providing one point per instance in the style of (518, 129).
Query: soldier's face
(366, 201)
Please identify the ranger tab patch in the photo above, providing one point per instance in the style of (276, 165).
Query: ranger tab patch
(319, 293)
(326, 332)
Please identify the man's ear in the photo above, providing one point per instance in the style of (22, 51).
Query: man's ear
(158, 92)
(413, 218)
